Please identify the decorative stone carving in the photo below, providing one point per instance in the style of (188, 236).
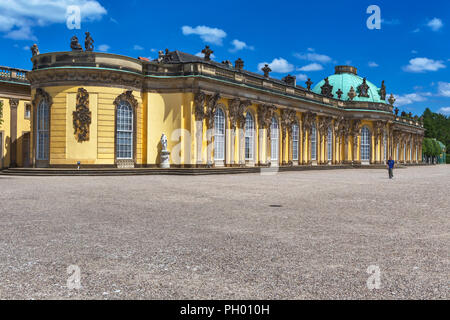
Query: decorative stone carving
(339, 93)
(82, 116)
(207, 53)
(309, 119)
(383, 91)
(165, 154)
(324, 124)
(160, 56)
(199, 102)
(42, 95)
(391, 100)
(234, 108)
(327, 89)
(290, 80)
(239, 64)
(363, 89)
(351, 94)
(309, 84)
(211, 107)
(265, 114)
(75, 45)
(34, 50)
(266, 70)
(127, 96)
(288, 117)
(227, 63)
(13, 103)
(89, 42)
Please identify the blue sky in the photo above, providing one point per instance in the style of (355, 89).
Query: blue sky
(411, 51)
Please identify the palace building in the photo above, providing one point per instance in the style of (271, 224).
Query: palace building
(107, 110)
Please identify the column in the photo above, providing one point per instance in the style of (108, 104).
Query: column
(13, 104)
(232, 144)
(242, 144)
(199, 140)
(262, 159)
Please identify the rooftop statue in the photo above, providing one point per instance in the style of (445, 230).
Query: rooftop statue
(363, 89)
(309, 84)
(383, 91)
(89, 42)
(34, 50)
(266, 70)
(207, 52)
(75, 45)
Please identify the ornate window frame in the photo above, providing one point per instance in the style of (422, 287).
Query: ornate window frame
(252, 137)
(224, 148)
(41, 96)
(275, 116)
(368, 146)
(127, 96)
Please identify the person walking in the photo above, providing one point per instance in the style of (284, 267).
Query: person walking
(390, 165)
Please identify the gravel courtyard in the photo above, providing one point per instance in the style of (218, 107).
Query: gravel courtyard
(295, 235)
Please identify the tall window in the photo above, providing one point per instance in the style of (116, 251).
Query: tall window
(385, 146)
(124, 134)
(219, 135)
(313, 143)
(365, 144)
(410, 151)
(330, 144)
(404, 151)
(295, 135)
(274, 135)
(249, 136)
(398, 152)
(42, 136)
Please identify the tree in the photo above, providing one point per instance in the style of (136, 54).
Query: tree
(437, 126)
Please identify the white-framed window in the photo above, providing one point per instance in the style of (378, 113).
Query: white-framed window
(330, 144)
(295, 138)
(43, 130)
(124, 132)
(274, 137)
(27, 111)
(385, 146)
(365, 144)
(249, 136)
(313, 142)
(410, 151)
(219, 135)
(404, 151)
(398, 152)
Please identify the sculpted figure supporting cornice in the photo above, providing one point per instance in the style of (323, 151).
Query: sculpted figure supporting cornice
(237, 110)
(324, 124)
(265, 114)
(211, 106)
(199, 104)
(309, 119)
(288, 118)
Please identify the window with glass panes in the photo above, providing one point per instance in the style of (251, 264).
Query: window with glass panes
(274, 137)
(125, 131)
(42, 128)
(249, 136)
(295, 137)
(219, 135)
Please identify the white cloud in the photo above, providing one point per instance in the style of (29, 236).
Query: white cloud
(302, 77)
(445, 110)
(207, 34)
(416, 30)
(410, 98)
(311, 67)
(312, 56)
(435, 24)
(279, 65)
(419, 65)
(373, 64)
(444, 89)
(103, 48)
(26, 48)
(414, 52)
(138, 47)
(18, 17)
(240, 45)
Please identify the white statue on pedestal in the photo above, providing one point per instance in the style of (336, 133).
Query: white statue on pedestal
(165, 154)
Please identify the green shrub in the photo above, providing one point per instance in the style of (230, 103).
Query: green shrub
(448, 158)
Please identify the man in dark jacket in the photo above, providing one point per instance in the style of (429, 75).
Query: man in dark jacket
(390, 165)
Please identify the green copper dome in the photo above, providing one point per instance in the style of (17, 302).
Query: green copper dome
(346, 78)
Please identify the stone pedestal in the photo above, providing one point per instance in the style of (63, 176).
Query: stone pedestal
(165, 163)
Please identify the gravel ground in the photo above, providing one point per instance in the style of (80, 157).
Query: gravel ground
(295, 235)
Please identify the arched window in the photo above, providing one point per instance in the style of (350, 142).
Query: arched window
(249, 136)
(124, 131)
(385, 146)
(295, 135)
(274, 134)
(313, 143)
(330, 144)
(219, 135)
(365, 144)
(42, 128)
